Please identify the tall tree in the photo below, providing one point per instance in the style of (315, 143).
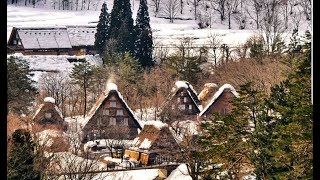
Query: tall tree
(81, 74)
(21, 157)
(121, 26)
(143, 43)
(102, 33)
(291, 139)
(21, 91)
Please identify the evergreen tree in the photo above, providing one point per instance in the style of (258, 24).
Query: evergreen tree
(291, 139)
(121, 26)
(143, 43)
(102, 33)
(21, 157)
(82, 75)
(21, 91)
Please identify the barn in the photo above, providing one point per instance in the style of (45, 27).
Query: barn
(109, 117)
(68, 40)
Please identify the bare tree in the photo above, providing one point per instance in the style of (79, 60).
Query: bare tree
(156, 5)
(195, 4)
(56, 85)
(214, 43)
(219, 6)
(272, 25)
(306, 5)
(231, 7)
(255, 14)
(171, 9)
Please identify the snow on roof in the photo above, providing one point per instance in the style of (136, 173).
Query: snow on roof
(181, 84)
(44, 38)
(111, 86)
(158, 124)
(210, 85)
(217, 94)
(187, 128)
(81, 35)
(49, 99)
(146, 144)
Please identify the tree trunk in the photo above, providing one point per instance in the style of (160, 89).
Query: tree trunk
(85, 96)
(229, 19)
(195, 9)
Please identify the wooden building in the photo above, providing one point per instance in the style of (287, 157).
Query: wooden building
(110, 116)
(49, 114)
(155, 144)
(69, 40)
(182, 102)
(220, 102)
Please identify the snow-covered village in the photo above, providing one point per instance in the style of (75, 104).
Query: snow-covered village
(159, 89)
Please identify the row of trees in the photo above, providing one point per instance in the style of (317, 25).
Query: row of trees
(268, 135)
(116, 34)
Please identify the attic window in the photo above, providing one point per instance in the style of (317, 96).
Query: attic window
(190, 107)
(113, 121)
(178, 99)
(182, 107)
(106, 112)
(120, 112)
(125, 121)
(14, 42)
(185, 99)
(47, 115)
(113, 104)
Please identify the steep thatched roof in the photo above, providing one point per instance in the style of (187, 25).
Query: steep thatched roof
(48, 107)
(111, 91)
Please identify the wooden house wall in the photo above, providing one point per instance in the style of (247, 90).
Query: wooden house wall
(178, 100)
(55, 117)
(105, 119)
(222, 105)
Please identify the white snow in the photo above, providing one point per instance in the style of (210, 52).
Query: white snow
(213, 85)
(45, 137)
(181, 84)
(217, 94)
(49, 99)
(158, 124)
(180, 173)
(186, 128)
(146, 144)
(145, 174)
(112, 86)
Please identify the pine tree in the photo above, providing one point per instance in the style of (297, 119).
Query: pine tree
(143, 42)
(21, 91)
(102, 33)
(291, 139)
(21, 157)
(82, 75)
(121, 26)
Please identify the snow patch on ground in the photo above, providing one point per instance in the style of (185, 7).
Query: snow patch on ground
(157, 124)
(180, 173)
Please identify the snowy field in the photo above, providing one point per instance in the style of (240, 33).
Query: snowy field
(164, 32)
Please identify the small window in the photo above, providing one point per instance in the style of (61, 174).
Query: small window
(106, 112)
(182, 107)
(125, 121)
(113, 104)
(14, 42)
(120, 112)
(185, 99)
(47, 115)
(178, 99)
(113, 121)
(99, 123)
(190, 106)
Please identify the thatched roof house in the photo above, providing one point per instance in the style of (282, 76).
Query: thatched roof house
(155, 141)
(182, 102)
(108, 116)
(49, 114)
(221, 101)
